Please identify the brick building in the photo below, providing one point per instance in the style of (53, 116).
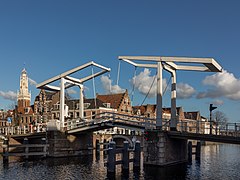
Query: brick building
(24, 109)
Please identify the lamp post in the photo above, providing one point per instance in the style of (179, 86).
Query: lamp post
(211, 108)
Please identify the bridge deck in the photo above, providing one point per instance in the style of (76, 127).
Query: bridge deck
(204, 137)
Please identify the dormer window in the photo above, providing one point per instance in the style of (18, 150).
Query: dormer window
(86, 105)
(107, 105)
(138, 112)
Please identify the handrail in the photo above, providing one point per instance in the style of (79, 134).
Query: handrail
(183, 125)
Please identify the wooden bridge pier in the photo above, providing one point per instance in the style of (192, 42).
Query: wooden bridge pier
(23, 150)
(197, 151)
(112, 162)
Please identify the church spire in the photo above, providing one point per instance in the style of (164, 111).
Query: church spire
(24, 96)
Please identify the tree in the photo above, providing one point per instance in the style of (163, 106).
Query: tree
(220, 118)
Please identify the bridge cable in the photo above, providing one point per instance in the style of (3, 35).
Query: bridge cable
(134, 81)
(118, 73)
(167, 85)
(110, 83)
(147, 93)
(151, 88)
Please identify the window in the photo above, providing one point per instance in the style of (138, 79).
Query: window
(71, 114)
(56, 106)
(93, 114)
(26, 110)
(86, 105)
(107, 105)
(148, 115)
(138, 112)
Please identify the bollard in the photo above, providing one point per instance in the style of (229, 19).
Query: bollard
(31, 128)
(45, 147)
(97, 147)
(111, 158)
(105, 146)
(198, 151)
(190, 151)
(137, 154)
(25, 141)
(5, 151)
(125, 156)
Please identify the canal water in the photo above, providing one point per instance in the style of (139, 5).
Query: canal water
(217, 162)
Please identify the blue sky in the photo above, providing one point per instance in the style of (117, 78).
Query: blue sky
(50, 37)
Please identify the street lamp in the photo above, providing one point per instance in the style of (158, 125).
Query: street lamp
(211, 108)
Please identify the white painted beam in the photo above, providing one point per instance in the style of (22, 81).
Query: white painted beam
(63, 75)
(140, 65)
(141, 58)
(193, 68)
(208, 62)
(75, 80)
(102, 67)
(173, 65)
(92, 76)
(51, 88)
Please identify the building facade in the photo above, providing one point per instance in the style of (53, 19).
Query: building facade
(24, 109)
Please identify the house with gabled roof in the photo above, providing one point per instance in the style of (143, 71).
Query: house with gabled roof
(120, 101)
(149, 110)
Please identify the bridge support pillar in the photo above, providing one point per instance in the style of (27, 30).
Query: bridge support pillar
(161, 150)
(62, 144)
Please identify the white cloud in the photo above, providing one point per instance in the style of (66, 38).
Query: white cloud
(32, 82)
(108, 87)
(184, 91)
(10, 95)
(217, 102)
(223, 84)
(71, 91)
(143, 81)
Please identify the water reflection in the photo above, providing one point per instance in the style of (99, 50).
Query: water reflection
(171, 172)
(217, 162)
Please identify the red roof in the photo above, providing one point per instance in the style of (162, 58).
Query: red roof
(114, 99)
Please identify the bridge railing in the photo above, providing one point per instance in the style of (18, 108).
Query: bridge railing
(203, 127)
(112, 117)
(17, 130)
(230, 129)
(140, 121)
(193, 126)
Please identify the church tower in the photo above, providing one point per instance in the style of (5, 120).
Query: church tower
(23, 96)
